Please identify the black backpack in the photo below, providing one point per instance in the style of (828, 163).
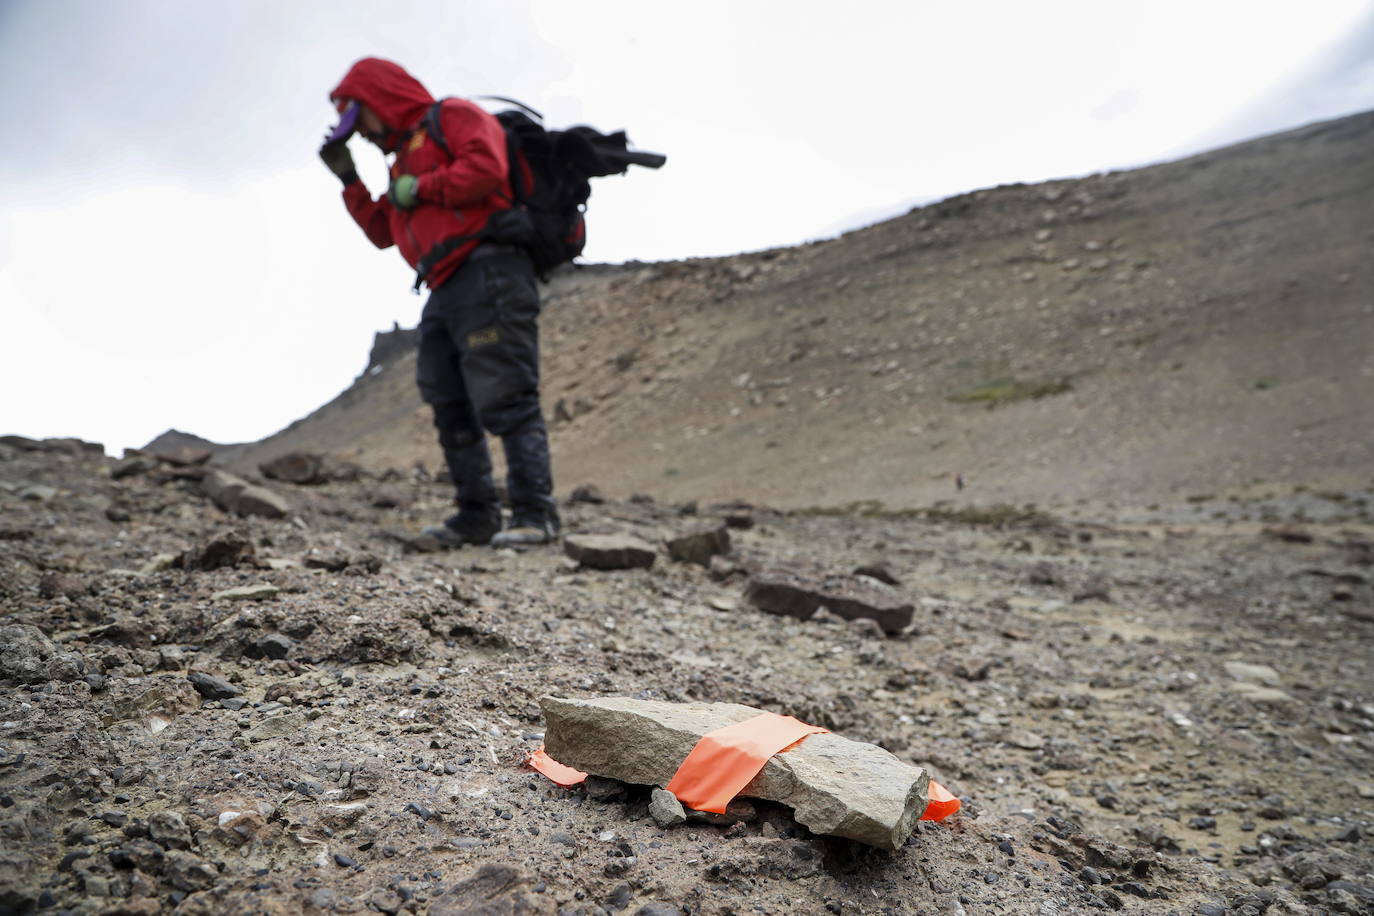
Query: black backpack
(550, 179)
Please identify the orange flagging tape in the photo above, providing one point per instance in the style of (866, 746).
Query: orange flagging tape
(941, 804)
(725, 760)
(557, 773)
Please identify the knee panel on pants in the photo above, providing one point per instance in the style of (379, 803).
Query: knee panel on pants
(510, 415)
(456, 426)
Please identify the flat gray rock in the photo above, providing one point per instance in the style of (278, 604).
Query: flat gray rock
(799, 596)
(609, 551)
(246, 593)
(834, 785)
(28, 656)
(277, 727)
(239, 497)
(211, 686)
(700, 546)
(1264, 675)
(296, 467)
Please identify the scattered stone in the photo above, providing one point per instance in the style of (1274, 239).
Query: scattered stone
(722, 568)
(364, 564)
(1097, 589)
(385, 900)
(277, 727)
(609, 551)
(186, 456)
(740, 521)
(834, 785)
(620, 895)
(798, 596)
(28, 656)
(877, 571)
(588, 493)
(346, 472)
(132, 466)
(1272, 808)
(212, 687)
(1261, 696)
(238, 497)
(975, 669)
(304, 468)
(334, 561)
(1292, 534)
(1044, 573)
(599, 788)
(867, 627)
(414, 543)
(169, 830)
(1253, 674)
(55, 584)
(665, 809)
(1026, 740)
(257, 592)
(157, 563)
(824, 615)
(274, 646)
(188, 872)
(391, 498)
(493, 889)
(700, 546)
(418, 810)
(658, 909)
(223, 551)
(144, 855)
(38, 493)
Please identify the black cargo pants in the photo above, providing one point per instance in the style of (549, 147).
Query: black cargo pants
(478, 369)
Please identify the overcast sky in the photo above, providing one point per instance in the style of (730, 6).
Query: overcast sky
(173, 254)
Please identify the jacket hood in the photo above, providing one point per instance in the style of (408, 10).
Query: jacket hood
(397, 97)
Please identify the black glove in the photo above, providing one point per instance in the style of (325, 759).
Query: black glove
(340, 161)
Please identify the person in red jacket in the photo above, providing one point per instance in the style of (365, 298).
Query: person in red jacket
(478, 339)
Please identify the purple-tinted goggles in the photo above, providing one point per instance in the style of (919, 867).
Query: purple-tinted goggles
(348, 122)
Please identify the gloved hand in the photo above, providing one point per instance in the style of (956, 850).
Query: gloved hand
(402, 192)
(340, 161)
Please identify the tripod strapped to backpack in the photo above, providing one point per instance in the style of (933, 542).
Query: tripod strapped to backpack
(550, 172)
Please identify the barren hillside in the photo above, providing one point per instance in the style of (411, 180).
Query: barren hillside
(1200, 326)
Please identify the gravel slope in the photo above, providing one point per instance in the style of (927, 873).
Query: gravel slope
(1138, 717)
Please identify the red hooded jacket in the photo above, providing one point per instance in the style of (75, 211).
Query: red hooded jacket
(456, 194)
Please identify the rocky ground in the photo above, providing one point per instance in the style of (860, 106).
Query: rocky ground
(1138, 717)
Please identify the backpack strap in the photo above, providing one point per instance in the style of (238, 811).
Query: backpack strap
(439, 252)
(434, 129)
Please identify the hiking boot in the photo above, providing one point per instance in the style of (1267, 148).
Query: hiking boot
(527, 532)
(467, 527)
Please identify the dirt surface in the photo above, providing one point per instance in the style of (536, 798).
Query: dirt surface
(1129, 338)
(1138, 717)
